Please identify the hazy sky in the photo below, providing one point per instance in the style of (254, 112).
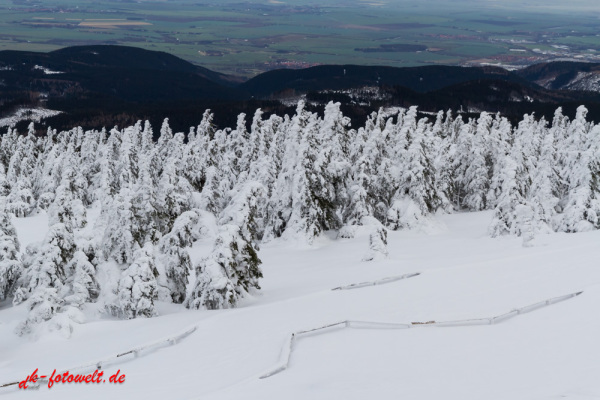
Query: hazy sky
(570, 6)
(566, 6)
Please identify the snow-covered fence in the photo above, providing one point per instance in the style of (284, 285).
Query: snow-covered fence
(8, 384)
(286, 353)
(155, 346)
(463, 322)
(133, 353)
(376, 325)
(503, 317)
(288, 348)
(377, 282)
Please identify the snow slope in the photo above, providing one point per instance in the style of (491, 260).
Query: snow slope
(550, 353)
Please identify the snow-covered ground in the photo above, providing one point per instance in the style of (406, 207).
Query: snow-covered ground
(550, 353)
(47, 71)
(27, 114)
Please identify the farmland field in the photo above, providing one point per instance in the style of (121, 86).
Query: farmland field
(248, 38)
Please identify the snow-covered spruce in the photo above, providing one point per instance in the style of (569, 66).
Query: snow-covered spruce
(10, 261)
(377, 240)
(138, 287)
(289, 177)
(232, 269)
(173, 257)
(43, 306)
(227, 274)
(46, 265)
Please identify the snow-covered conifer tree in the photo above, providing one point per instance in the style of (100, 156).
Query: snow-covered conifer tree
(174, 262)
(334, 132)
(498, 142)
(230, 271)
(384, 153)
(84, 286)
(137, 289)
(377, 240)
(194, 160)
(582, 205)
(524, 216)
(8, 145)
(20, 200)
(419, 178)
(313, 207)
(280, 203)
(144, 204)
(242, 210)
(47, 266)
(265, 167)
(106, 181)
(233, 268)
(358, 193)
(241, 147)
(163, 147)
(67, 207)
(120, 239)
(10, 261)
(476, 173)
(543, 194)
(127, 164)
(173, 194)
(43, 305)
(505, 220)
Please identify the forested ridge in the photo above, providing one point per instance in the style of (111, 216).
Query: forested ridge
(108, 85)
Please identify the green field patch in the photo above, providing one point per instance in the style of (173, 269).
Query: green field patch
(402, 26)
(393, 48)
(496, 22)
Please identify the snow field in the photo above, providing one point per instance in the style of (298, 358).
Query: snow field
(545, 354)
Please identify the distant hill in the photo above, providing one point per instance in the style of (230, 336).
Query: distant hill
(509, 98)
(338, 77)
(85, 58)
(99, 86)
(126, 73)
(564, 75)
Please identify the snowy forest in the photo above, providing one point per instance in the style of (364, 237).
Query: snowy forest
(124, 211)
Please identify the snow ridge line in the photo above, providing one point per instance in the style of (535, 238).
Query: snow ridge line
(136, 352)
(288, 348)
(377, 282)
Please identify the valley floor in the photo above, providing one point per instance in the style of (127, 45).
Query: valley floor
(550, 353)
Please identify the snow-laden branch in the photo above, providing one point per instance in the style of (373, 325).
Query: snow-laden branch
(377, 282)
(288, 348)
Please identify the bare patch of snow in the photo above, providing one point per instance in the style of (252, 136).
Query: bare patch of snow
(27, 114)
(47, 71)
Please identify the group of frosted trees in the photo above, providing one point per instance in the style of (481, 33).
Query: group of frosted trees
(277, 177)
